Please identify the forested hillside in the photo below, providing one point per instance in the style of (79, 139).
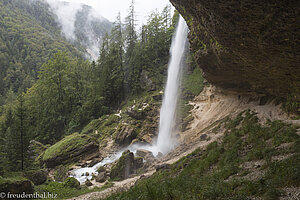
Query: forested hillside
(29, 36)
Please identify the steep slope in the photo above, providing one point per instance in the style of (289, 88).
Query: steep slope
(247, 45)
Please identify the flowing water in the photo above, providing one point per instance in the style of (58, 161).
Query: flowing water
(166, 137)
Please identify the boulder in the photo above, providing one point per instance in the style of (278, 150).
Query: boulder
(61, 173)
(138, 142)
(15, 186)
(88, 183)
(71, 182)
(125, 135)
(125, 166)
(144, 153)
(101, 177)
(38, 177)
(70, 149)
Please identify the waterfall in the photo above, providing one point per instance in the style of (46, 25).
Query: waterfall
(166, 140)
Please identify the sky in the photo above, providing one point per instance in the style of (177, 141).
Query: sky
(110, 8)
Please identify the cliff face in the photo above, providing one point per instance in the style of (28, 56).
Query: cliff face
(246, 45)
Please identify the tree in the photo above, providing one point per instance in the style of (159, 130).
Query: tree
(130, 42)
(20, 114)
(15, 138)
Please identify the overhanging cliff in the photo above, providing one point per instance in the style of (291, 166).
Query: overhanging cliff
(246, 45)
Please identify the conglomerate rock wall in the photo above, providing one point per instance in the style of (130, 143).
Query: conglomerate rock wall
(246, 45)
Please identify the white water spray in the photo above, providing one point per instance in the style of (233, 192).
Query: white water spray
(166, 140)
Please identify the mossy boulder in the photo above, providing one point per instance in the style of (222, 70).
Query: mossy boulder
(16, 185)
(70, 149)
(72, 182)
(38, 177)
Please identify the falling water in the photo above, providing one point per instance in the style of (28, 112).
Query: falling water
(166, 140)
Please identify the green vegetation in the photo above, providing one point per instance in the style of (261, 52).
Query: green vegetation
(193, 83)
(219, 172)
(15, 178)
(67, 189)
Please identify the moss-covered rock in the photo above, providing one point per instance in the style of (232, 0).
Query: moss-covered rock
(70, 149)
(38, 177)
(16, 185)
(72, 182)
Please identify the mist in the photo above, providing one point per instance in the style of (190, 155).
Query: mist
(100, 10)
(77, 22)
(66, 15)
